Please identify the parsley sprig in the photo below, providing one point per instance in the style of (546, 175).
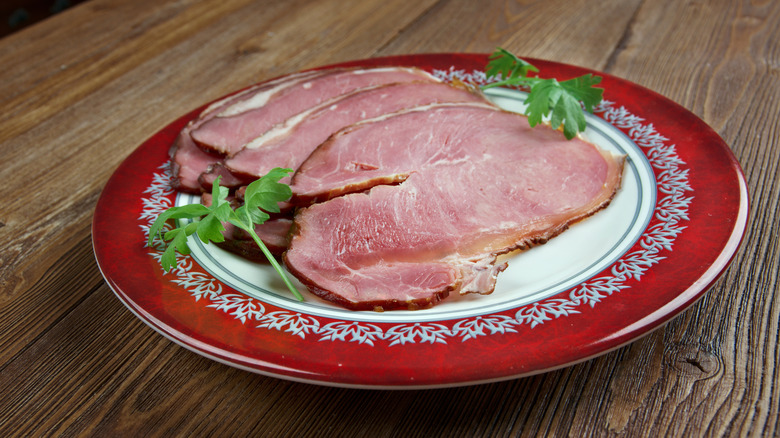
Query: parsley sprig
(562, 101)
(261, 197)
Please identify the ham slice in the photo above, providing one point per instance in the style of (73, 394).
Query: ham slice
(189, 162)
(241, 122)
(288, 144)
(471, 183)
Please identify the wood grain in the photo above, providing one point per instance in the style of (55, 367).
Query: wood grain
(81, 140)
(729, 79)
(584, 36)
(81, 90)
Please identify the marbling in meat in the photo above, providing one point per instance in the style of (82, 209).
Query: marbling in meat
(241, 122)
(290, 143)
(471, 183)
(189, 161)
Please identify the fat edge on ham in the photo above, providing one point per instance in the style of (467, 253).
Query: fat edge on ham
(238, 124)
(472, 182)
(189, 161)
(288, 144)
(229, 124)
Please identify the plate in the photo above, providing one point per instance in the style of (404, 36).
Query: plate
(669, 233)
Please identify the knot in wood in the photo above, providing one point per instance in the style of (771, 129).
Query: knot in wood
(249, 48)
(692, 360)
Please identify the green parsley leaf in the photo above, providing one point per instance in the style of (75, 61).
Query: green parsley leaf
(568, 112)
(267, 192)
(561, 101)
(582, 88)
(178, 244)
(538, 100)
(182, 212)
(261, 196)
(507, 65)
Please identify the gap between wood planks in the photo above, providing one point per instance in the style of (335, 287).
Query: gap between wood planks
(622, 44)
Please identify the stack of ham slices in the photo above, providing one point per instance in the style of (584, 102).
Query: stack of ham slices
(406, 188)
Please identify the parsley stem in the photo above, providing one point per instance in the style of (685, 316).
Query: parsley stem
(274, 263)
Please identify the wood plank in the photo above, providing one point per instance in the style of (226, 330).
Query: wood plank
(142, 95)
(61, 287)
(88, 72)
(572, 32)
(717, 360)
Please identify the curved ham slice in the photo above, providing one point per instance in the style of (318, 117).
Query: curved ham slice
(288, 144)
(189, 162)
(236, 125)
(473, 183)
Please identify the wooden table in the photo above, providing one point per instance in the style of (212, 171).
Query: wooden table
(82, 90)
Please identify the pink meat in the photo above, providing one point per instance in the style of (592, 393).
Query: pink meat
(218, 169)
(272, 232)
(288, 144)
(238, 124)
(189, 162)
(472, 183)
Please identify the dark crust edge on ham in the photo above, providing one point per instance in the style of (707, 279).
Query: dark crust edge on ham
(376, 306)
